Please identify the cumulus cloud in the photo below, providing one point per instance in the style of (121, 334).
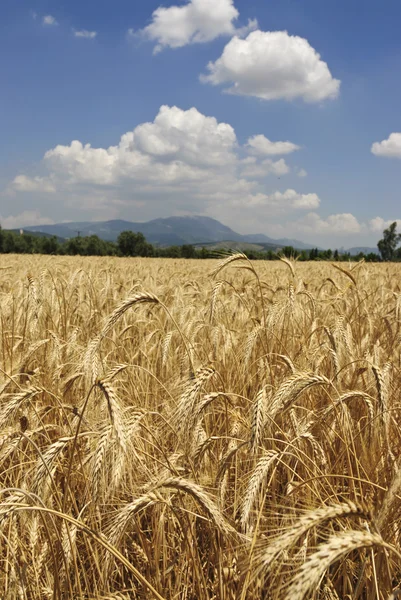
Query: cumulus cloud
(24, 219)
(302, 173)
(84, 33)
(378, 224)
(390, 148)
(339, 224)
(197, 21)
(259, 144)
(284, 201)
(273, 65)
(181, 162)
(267, 167)
(330, 230)
(49, 20)
(186, 135)
(177, 145)
(22, 183)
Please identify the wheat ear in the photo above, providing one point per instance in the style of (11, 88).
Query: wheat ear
(309, 575)
(267, 556)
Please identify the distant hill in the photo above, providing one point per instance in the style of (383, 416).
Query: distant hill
(176, 231)
(261, 238)
(166, 232)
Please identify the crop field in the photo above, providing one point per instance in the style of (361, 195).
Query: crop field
(216, 429)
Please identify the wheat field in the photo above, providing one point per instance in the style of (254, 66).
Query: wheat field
(214, 429)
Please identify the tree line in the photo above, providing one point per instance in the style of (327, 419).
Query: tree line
(130, 243)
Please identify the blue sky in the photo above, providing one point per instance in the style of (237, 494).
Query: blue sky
(322, 76)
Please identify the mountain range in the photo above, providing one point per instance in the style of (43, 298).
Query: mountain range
(173, 231)
(165, 232)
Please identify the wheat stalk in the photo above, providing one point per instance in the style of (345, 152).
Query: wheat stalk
(269, 554)
(115, 410)
(309, 575)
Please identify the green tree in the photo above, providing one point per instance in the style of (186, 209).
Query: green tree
(251, 254)
(8, 242)
(289, 251)
(188, 251)
(48, 245)
(94, 246)
(74, 246)
(387, 246)
(134, 244)
(24, 243)
(173, 252)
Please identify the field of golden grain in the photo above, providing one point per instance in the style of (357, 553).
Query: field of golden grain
(175, 429)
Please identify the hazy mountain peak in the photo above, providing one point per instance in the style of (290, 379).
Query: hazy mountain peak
(165, 231)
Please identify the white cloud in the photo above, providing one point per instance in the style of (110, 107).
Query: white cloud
(262, 169)
(259, 144)
(339, 224)
(178, 145)
(278, 168)
(49, 20)
(273, 65)
(182, 161)
(84, 33)
(197, 21)
(390, 148)
(378, 225)
(334, 230)
(302, 173)
(341, 229)
(24, 219)
(186, 135)
(22, 183)
(287, 201)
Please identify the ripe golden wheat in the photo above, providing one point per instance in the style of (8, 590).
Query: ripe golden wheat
(210, 430)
